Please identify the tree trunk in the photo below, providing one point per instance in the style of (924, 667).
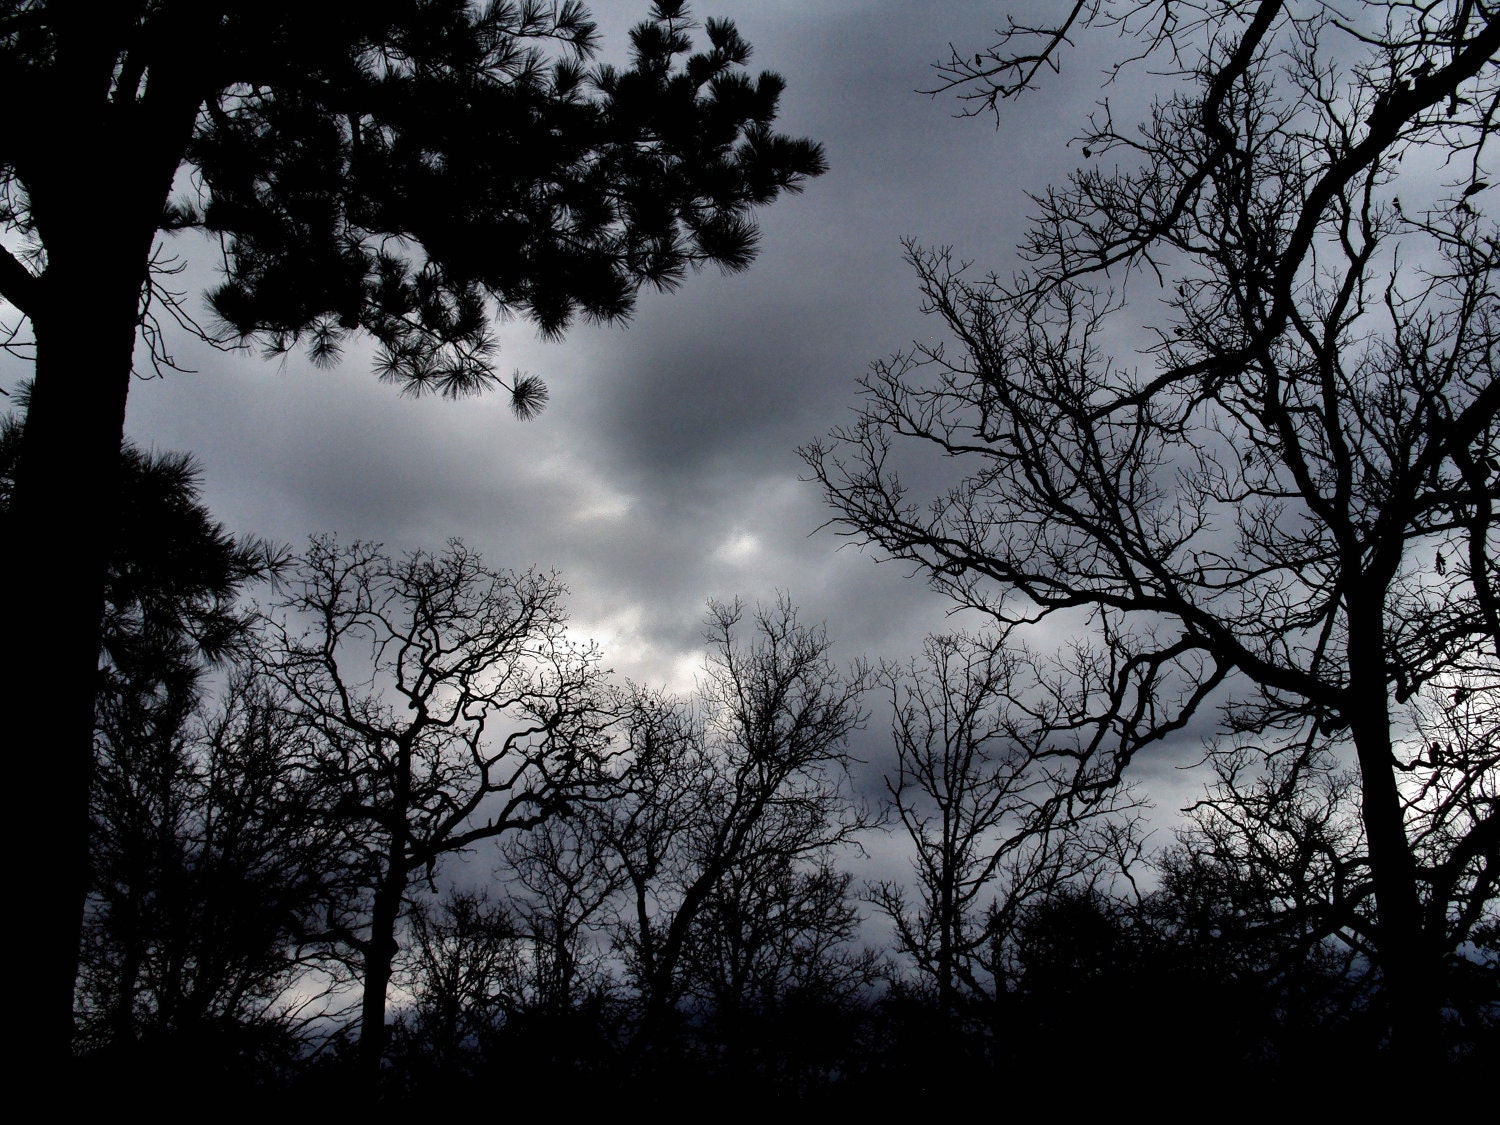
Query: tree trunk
(379, 957)
(97, 165)
(384, 914)
(60, 520)
(947, 933)
(122, 1009)
(1405, 963)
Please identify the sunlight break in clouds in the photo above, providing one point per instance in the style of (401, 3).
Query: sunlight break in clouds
(738, 548)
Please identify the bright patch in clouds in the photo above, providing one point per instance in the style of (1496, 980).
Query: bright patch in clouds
(739, 547)
(632, 653)
(603, 505)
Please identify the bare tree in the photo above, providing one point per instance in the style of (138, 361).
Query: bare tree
(777, 933)
(464, 959)
(1279, 842)
(773, 975)
(214, 859)
(1285, 503)
(562, 881)
(996, 813)
(1263, 919)
(451, 708)
(753, 772)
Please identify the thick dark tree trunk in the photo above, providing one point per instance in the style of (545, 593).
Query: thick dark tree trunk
(60, 519)
(1406, 962)
(379, 957)
(385, 912)
(98, 170)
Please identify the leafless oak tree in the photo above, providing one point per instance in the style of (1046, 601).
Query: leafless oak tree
(463, 957)
(451, 708)
(997, 812)
(562, 879)
(751, 774)
(1239, 408)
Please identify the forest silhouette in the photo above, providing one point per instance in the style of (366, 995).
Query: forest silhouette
(361, 827)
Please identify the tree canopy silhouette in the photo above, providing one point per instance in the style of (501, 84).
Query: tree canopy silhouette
(446, 706)
(1283, 505)
(406, 168)
(727, 794)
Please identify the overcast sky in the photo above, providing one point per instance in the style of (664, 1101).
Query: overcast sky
(663, 471)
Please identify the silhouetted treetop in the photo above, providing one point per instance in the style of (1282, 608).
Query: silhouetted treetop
(411, 167)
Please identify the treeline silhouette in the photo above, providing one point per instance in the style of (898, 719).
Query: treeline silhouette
(394, 836)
